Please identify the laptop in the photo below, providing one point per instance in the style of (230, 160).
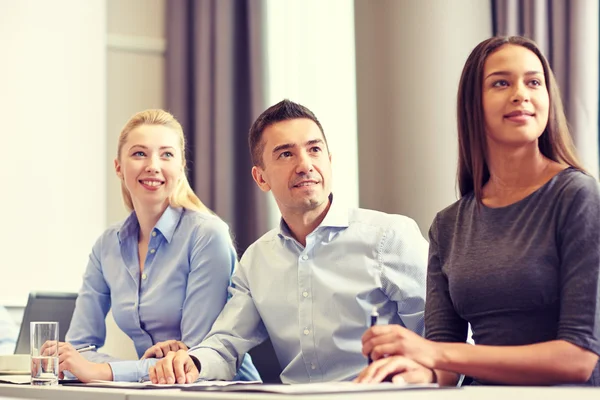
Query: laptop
(46, 306)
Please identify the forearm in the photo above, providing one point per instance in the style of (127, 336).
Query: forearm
(545, 363)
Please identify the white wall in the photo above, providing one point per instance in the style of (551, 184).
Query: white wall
(53, 94)
(409, 57)
(311, 60)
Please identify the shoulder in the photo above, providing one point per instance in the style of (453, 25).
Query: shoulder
(571, 183)
(392, 226)
(265, 242)
(199, 223)
(110, 235)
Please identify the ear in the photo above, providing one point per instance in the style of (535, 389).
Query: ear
(118, 169)
(257, 175)
(330, 157)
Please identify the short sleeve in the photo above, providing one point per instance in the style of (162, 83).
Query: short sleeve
(442, 323)
(579, 251)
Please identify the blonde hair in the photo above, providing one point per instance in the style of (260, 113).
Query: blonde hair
(183, 195)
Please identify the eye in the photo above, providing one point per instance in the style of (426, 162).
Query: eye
(168, 154)
(500, 83)
(285, 154)
(139, 154)
(535, 82)
(315, 149)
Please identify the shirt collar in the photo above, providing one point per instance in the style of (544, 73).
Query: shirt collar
(166, 224)
(337, 217)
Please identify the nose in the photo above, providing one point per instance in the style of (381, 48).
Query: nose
(520, 94)
(152, 166)
(304, 165)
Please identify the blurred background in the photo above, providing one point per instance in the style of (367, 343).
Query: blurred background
(381, 75)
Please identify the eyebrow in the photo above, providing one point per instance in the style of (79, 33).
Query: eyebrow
(287, 146)
(507, 73)
(146, 148)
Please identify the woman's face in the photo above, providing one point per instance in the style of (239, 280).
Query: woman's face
(151, 165)
(515, 97)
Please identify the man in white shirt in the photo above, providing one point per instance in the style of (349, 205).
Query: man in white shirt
(310, 284)
(8, 332)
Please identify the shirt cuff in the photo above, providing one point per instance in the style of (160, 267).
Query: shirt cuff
(131, 371)
(213, 366)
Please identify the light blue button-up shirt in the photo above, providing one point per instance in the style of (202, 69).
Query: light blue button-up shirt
(180, 293)
(315, 302)
(8, 332)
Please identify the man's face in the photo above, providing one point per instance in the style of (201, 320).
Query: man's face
(296, 165)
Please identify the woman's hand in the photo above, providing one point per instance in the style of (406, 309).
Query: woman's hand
(394, 340)
(160, 349)
(399, 369)
(71, 360)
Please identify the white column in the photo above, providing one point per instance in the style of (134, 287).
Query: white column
(410, 54)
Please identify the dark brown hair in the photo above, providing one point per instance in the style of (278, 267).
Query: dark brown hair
(555, 142)
(282, 111)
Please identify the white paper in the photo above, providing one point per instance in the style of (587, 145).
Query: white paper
(331, 387)
(17, 379)
(150, 385)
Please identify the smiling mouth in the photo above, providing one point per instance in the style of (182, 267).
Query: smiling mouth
(305, 184)
(151, 183)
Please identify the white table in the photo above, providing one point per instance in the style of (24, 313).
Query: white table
(467, 393)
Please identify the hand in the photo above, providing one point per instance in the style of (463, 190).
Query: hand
(402, 370)
(71, 360)
(175, 367)
(160, 349)
(387, 340)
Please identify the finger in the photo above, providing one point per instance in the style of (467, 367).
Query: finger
(420, 375)
(397, 348)
(182, 346)
(174, 346)
(147, 354)
(152, 374)
(375, 340)
(167, 369)
(179, 364)
(191, 372)
(391, 367)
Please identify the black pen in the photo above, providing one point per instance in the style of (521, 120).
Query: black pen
(374, 315)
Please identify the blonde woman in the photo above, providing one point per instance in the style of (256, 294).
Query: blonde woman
(164, 271)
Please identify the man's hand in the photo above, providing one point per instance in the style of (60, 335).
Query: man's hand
(176, 367)
(394, 340)
(160, 349)
(400, 369)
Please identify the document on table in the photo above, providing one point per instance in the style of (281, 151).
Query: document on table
(315, 388)
(16, 379)
(150, 385)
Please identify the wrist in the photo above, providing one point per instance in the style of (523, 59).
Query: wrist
(196, 362)
(440, 356)
(104, 372)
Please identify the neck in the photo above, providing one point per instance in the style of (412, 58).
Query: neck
(516, 168)
(301, 224)
(147, 218)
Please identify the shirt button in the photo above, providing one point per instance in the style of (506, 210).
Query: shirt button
(305, 257)
(305, 294)
(154, 234)
(143, 276)
(306, 331)
(152, 251)
(313, 366)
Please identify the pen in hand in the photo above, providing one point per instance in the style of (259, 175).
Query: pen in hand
(86, 348)
(374, 315)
